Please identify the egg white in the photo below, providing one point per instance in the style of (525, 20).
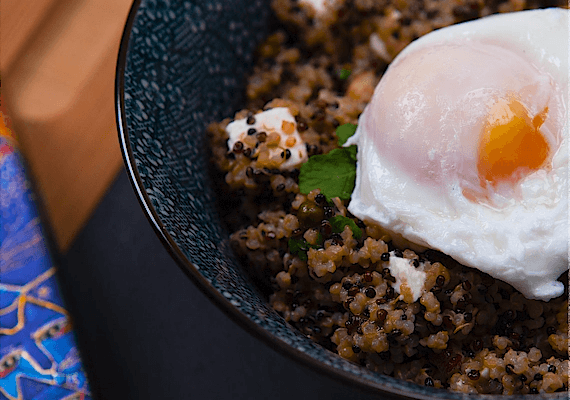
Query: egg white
(522, 237)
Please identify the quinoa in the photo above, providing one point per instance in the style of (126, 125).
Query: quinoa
(467, 332)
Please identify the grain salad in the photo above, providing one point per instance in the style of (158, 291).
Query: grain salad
(349, 285)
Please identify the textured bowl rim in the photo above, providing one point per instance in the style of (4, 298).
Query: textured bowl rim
(234, 313)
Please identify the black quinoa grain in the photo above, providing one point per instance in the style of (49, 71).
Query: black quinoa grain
(247, 152)
(287, 154)
(429, 382)
(533, 390)
(326, 228)
(537, 377)
(329, 212)
(523, 378)
(238, 147)
(398, 253)
(250, 119)
(395, 333)
(385, 257)
(404, 317)
(416, 263)
(355, 349)
(381, 301)
(251, 131)
(468, 317)
(353, 291)
(388, 276)
(320, 198)
(474, 375)
(440, 280)
(552, 368)
(477, 345)
(368, 278)
(461, 303)
(337, 241)
(347, 285)
(381, 315)
(370, 292)
(261, 137)
(390, 293)
(509, 369)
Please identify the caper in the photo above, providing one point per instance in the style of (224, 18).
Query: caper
(310, 214)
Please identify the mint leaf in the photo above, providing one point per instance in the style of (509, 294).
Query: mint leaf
(338, 223)
(345, 131)
(300, 247)
(334, 173)
(344, 73)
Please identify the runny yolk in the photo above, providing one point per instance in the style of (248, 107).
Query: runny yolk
(511, 143)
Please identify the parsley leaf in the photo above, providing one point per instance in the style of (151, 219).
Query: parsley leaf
(338, 223)
(334, 173)
(300, 247)
(344, 73)
(345, 131)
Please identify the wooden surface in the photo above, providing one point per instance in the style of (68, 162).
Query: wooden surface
(58, 61)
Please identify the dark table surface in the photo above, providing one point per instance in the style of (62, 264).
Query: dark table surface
(147, 332)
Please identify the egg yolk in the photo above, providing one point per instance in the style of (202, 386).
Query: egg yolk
(511, 143)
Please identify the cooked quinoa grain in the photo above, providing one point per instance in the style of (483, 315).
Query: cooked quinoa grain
(466, 331)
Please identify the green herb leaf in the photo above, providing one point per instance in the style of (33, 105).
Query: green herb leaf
(344, 73)
(334, 173)
(300, 247)
(338, 223)
(345, 131)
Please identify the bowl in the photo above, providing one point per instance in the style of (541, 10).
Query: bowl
(181, 66)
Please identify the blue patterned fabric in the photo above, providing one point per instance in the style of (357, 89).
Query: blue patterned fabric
(38, 354)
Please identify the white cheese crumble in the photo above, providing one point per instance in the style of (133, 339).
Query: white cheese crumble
(406, 274)
(289, 150)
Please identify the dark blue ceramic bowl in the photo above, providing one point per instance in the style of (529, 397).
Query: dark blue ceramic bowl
(181, 66)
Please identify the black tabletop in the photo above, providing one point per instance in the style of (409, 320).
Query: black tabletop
(147, 332)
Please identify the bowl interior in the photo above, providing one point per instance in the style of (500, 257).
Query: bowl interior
(181, 66)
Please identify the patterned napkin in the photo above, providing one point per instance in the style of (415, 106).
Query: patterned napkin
(38, 353)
